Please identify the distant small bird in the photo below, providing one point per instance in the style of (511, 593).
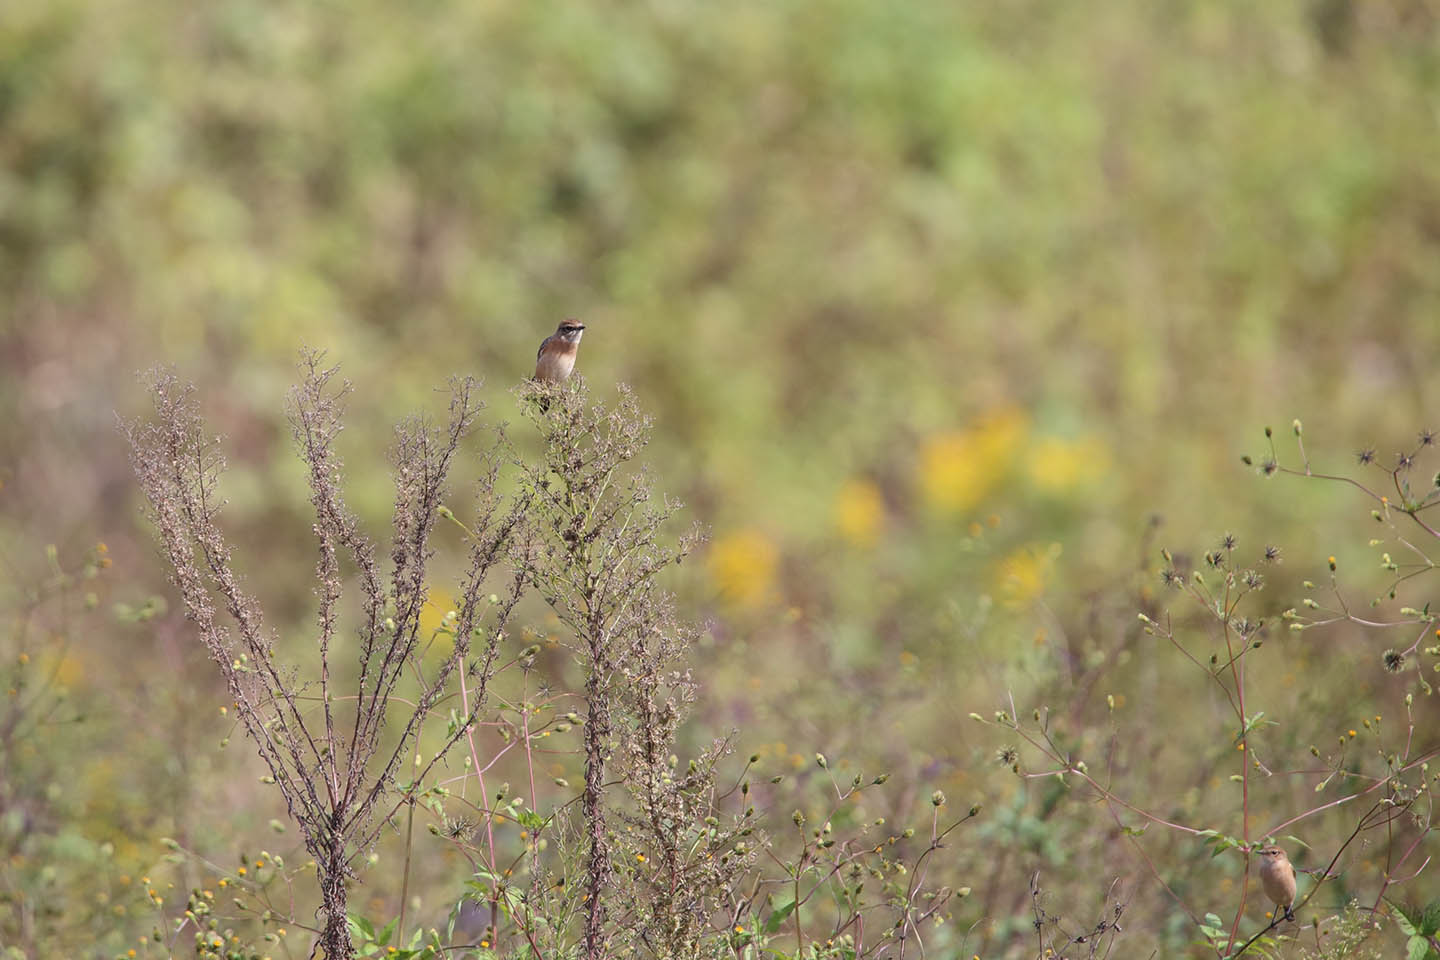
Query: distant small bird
(556, 357)
(1277, 876)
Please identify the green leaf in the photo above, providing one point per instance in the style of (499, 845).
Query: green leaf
(1430, 919)
(1417, 948)
(1251, 723)
(1222, 844)
(778, 915)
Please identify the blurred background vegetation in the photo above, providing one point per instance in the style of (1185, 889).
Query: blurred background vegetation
(950, 316)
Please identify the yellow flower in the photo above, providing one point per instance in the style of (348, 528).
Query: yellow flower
(859, 512)
(1025, 573)
(958, 469)
(1056, 465)
(743, 565)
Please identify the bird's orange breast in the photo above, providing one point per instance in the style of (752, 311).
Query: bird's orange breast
(556, 361)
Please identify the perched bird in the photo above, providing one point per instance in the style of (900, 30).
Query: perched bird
(556, 358)
(1277, 876)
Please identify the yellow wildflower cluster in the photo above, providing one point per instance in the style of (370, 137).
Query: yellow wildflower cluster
(958, 469)
(1025, 573)
(743, 564)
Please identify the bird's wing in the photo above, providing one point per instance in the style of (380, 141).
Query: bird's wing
(543, 344)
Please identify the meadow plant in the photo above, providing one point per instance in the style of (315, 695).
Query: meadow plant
(337, 766)
(1363, 805)
(672, 863)
(654, 856)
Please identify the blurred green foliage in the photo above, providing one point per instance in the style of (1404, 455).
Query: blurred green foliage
(936, 306)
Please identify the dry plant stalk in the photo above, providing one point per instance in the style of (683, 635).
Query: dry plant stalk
(656, 885)
(336, 768)
(584, 531)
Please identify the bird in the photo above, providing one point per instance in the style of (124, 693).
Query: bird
(1277, 876)
(556, 357)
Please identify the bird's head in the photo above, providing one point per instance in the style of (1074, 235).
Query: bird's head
(570, 331)
(1273, 853)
